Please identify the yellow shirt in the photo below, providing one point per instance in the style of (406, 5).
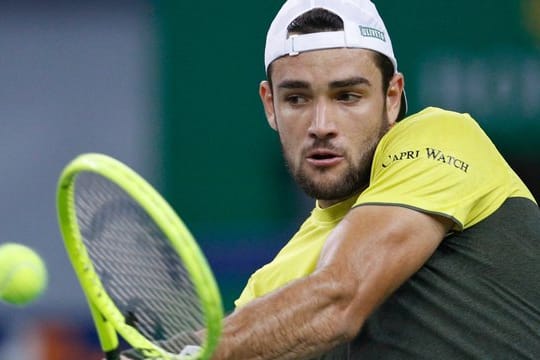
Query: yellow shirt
(435, 161)
(300, 256)
(442, 162)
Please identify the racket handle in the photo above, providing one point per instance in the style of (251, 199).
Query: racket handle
(106, 334)
(112, 355)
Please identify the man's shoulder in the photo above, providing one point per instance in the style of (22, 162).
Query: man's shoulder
(435, 114)
(434, 120)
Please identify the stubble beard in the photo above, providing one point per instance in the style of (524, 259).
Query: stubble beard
(354, 179)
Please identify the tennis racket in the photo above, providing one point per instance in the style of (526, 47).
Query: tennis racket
(142, 273)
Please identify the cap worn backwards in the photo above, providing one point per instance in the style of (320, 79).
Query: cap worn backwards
(363, 28)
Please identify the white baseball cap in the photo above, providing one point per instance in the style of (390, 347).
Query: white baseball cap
(363, 28)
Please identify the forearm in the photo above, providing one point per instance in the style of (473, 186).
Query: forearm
(300, 321)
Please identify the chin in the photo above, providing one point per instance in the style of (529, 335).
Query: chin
(331, 186)
(329, 191)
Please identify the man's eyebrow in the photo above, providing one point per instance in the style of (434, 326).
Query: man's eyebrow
(299, 84)
(357, 80)
(293, 84)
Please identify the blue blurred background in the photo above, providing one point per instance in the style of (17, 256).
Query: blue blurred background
(170, 88)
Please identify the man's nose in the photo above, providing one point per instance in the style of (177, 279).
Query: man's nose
(323, 124)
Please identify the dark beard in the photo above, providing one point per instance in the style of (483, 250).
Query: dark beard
(353, 181)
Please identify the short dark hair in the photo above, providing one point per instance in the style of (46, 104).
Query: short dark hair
(316, 20)
(320, 20)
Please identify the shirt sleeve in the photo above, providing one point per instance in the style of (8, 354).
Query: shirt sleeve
(439, 162)
(246, 296)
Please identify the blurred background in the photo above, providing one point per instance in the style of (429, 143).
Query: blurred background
(170, 88)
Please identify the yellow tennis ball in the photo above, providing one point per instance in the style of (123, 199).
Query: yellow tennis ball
(23, 275)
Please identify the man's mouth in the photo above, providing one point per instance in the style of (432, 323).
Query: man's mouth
(323, 157)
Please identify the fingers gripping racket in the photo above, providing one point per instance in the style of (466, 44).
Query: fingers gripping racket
(142, 272)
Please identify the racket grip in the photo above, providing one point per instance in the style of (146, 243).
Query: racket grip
(112, 355)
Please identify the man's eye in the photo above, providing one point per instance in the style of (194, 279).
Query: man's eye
(296, 99)
(348, 97)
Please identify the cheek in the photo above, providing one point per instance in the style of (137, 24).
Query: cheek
(288, 142)
(362, 134)
(291, 143)
(286, 121)
(292, 125)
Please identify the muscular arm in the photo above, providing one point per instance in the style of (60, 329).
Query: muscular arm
(371, 253)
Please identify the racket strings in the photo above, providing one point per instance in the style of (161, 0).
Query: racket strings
(139, 269)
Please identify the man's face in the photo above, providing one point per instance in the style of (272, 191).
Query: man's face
(330, 111)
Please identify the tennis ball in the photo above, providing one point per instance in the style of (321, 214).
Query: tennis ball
(23, 275)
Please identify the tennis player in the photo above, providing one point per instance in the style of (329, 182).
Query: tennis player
(423, 242)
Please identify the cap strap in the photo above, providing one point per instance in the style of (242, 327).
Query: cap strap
(298, 43)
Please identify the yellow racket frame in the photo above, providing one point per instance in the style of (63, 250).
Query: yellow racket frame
(108, 320)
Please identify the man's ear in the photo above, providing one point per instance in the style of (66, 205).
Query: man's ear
(267, 98)
(393, 97)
